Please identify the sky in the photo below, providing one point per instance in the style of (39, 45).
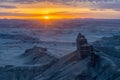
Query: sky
(59, 9)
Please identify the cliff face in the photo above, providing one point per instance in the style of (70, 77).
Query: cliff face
(83, 64)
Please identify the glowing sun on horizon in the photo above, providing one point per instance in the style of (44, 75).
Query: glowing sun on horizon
(46, 17)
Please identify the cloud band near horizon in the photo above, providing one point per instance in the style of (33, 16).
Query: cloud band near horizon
(8, 7)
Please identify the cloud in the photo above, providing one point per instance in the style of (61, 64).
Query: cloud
(18, 14)
(7, 6)
(111, 5)
(92, 4)
(41, 15)
(60, 1)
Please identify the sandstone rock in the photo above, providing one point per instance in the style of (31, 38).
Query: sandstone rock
(83, 48)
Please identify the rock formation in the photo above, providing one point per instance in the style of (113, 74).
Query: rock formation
(82, 64)
(83, 48)
(38, 55)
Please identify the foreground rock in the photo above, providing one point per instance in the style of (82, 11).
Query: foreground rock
(38, 55)
(37, 61)
(83, 64)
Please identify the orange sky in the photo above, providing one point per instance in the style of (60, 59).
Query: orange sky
(54, 11)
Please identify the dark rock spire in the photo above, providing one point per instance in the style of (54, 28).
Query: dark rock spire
(83, 48)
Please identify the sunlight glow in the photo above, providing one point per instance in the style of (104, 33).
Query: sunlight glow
(46, 17)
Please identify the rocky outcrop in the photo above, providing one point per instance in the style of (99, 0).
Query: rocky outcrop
(82, 64)
(37, 61)
(83, 48)
(38, 55)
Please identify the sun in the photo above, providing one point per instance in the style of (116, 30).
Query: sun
(46, 17)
